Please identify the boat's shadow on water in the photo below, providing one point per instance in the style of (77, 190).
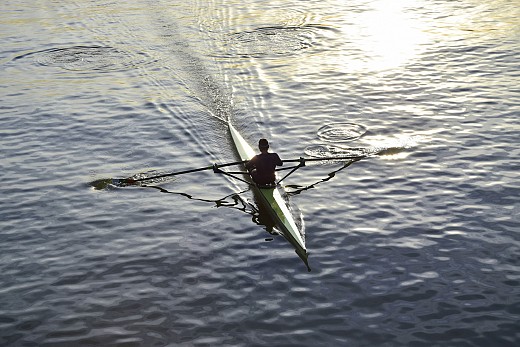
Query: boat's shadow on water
(233, 201)
(259, 214)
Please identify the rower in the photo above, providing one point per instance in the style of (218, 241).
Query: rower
(262, 166)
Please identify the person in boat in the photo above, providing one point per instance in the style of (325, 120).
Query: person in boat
(262, 166)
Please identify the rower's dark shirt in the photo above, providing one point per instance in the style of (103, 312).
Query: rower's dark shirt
(264, 165)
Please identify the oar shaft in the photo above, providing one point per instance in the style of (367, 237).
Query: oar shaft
(325, 158)
(189, 171)
(174, 173)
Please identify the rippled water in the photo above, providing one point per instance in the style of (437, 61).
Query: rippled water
(417, 245)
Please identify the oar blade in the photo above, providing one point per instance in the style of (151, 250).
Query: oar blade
(107, 183)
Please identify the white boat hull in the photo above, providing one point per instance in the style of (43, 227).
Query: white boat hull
(273, 200)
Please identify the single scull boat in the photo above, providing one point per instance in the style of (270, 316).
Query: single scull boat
(271, 198)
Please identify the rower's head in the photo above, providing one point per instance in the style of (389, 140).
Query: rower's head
(263, 145)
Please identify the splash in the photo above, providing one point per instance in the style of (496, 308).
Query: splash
(341, 132)
(137, 180)
(326, 151)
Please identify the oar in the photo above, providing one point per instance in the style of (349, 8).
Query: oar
(373, 152)
(212, 167)
(122, 182)
(349, 157)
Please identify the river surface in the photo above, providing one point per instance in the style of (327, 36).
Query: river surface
(416, 246)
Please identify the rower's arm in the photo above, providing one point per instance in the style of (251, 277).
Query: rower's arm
(280, 162)
(250, 165)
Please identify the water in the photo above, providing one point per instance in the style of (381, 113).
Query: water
(415, 247)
